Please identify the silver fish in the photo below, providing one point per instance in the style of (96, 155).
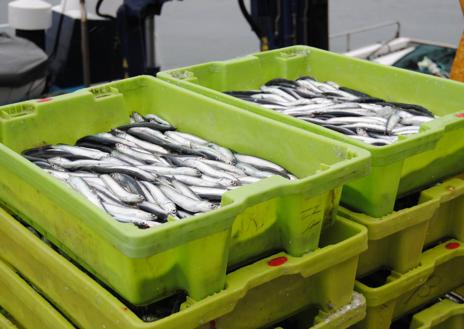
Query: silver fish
(192, 138)
(137, 117)
(392, 122)
(79, 185)
(135, 172)
(138, 222)
(222, 181)
(179, 139)
(248, 179)
(146, 193)
(279, 92)
(155, 209)
(252, 171)
(184, 189)
(135, 213)
(107, 197)
(76, 164)
(226, 155)
(165, 202)
(260, 163)
(190, 180)
(114, 139)
(158, 119)
(415, 120)
(119, 191)
(185, 202)
(205, 168)
(210, 193)
(141, 143)
(136, 154)
(406, 130)
(125, 158)
(224, 166)
(82, 151)
(171, 171)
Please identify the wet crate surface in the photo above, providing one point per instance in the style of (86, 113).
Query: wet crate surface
(407, 165)
(345, 317)
(441, 270)
(396, 241)
(192, 254)
(324, 278)
(25, 305)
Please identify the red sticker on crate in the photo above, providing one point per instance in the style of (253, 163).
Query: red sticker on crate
(460, 115)
(44, 100)
(453, 245)
(277, 261)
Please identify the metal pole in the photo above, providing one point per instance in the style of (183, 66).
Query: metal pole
(277, 19)
(398, 29)
(85, 44)
(150, 42)
(305, 21)
(317, 23)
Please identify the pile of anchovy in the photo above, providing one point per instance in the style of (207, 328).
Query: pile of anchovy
(350, 112)
(146, 171)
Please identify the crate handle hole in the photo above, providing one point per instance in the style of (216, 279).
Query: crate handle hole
(16, 111)
(377, 278)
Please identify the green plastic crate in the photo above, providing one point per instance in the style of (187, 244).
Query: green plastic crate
(25, 305)
(5, 322)
(259, 293)
(345, 317)
(448, 219)
(411, 163)
(396, 241)
(441, 270)
(442, 315)
(192, 254)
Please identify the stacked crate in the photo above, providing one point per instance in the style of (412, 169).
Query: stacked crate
(264, 247)
(410, 202)
(414, 255)
(256, 295)
(276, 254)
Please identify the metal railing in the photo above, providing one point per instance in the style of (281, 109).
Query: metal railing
(349, 34)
